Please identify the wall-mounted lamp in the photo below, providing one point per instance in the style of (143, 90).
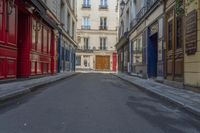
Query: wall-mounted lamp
(11, 4)
(122, 5)
(37, 26)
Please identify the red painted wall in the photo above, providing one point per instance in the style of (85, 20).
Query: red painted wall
(8, 35)
(114, 62)
(25, 51)
(42, 43)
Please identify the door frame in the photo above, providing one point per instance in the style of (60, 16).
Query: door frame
(174, 53)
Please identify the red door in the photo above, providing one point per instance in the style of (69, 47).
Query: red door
(114, 62)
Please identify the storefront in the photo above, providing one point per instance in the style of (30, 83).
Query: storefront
(138, 54)
(123, 53)
(8, 40)
(27, 40)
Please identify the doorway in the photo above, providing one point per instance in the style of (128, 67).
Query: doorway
(152, 55)
(23, 63)
(174, 53)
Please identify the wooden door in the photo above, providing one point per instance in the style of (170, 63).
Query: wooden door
(174, 54)
(102, 62)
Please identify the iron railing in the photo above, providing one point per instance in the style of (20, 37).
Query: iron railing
(85, 27)
(143, 11)
(103, 27)
(86, 6)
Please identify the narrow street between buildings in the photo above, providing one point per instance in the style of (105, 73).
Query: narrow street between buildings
(93, 103)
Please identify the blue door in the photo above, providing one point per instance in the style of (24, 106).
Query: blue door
(152, 55)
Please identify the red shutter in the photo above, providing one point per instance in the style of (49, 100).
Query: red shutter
(1, 19)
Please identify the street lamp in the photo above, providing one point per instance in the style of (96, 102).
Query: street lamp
(122, 5)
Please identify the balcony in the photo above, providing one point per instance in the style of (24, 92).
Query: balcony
(85, 27)
(103, 6)
(103, 48)
(86, 6)
(143, 11)
(86, 48)
(103, 28)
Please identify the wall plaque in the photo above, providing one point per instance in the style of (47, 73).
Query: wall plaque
(191, 33)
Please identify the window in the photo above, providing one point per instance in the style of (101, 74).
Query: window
(103, 23)
(86, 23)
(73, 26)
(78, 60)
(103, 3)
(86, 4)
(86, 43)
(68, 23)
(102, 44)
(179, 32)
(170, 35)
(137, 50)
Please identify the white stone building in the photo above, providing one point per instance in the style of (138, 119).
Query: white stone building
(97, 35)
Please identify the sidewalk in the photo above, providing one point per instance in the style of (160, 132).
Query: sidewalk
(188, 100)
(14, 89)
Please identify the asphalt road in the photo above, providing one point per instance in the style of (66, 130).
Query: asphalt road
(93, 103)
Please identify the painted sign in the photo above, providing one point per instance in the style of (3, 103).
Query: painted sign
(191, 33)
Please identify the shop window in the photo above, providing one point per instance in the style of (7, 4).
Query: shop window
(45, 65)
(33, 65)
(78, 60)
(170, 28)
(39, 67)
(49, 43)
(49, 69)
(63, 53)
(39, 40)
(179, 32)
(12, 27)
(45, 41)
(85, 63)
(34, 34)
(137, 51)
(11, 67)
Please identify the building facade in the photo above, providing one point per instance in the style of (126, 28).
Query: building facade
(192, 44)
(29, 33)
(97, 35)
(158, 39)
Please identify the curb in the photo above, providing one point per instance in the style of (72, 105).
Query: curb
(187, 108)
(29, 89)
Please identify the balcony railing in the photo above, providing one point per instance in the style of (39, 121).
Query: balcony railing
(103, 6)
(103, 48)
(85, 27)
(143, 11)
(86, 6)
(86, 48)
(103, 27)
